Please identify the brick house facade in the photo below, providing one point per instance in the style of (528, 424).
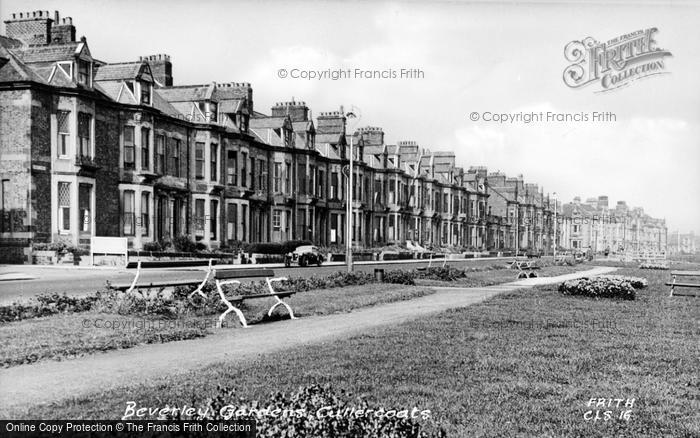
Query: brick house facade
(116, 149)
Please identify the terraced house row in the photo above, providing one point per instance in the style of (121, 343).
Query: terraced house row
(91, 148)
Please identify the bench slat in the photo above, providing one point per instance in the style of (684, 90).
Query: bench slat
(170, 264)
(152, 284)
(683, 284)
(243, 273)
(250, 297)
(686, 273)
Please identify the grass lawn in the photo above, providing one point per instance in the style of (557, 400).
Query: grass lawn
(498, 276)
(69, 335)
(520, 364)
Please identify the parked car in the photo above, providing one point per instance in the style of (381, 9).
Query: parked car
(304, 255)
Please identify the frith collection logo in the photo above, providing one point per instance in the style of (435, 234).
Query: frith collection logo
(615, 63)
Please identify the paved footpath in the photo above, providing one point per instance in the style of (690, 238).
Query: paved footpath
(45, 382)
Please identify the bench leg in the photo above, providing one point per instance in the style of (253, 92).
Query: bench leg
(136, 278)
(231, 307)
(201, 285)
(280, 302)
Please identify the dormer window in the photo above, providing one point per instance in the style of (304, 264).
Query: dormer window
(145, 92)
(83, 72)
(213, 112)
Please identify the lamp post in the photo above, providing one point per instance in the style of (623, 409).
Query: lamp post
(355, 116)
(554, 251)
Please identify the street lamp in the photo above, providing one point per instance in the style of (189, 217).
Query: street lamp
(554, 252)
(353, 115)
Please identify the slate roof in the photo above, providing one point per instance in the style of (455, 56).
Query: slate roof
(50, 53)
(268, 122)
(14, 69)
(187, 93)
(125, 70)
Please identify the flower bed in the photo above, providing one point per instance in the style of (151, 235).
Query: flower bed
(611, 286)
(653, 265)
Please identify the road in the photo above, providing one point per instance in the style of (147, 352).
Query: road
(84, 280)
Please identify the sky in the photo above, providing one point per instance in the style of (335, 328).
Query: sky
(474, 57)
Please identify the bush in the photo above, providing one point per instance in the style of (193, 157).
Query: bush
(46, 305)
(400, 277)
(153, 247)
(446, 273)
(304, 415)
(612, 286)
(184, 243)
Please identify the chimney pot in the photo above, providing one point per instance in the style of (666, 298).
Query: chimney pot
(56, 17)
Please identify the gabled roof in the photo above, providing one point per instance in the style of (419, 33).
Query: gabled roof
(13, 69)
(267, 135)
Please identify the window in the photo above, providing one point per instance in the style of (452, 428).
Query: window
(128, 215)
(214, 162)
(160, 154)
(277, 178)
(262, 175)
(63, 206)
(252, 173)
(577, 228)
(129, 147)
(83, 72)
(175, 158)
(288, 178)
(84, 201)
(5, 223)
(232, 218)
(145, 148)
(213, 112)
(145, 92)
(244, 170)
(244, 222)
(145, 213)
(232, 168)
(334, 185)
(199, 160)
(63, 128)
(199, 218)
(84, 129)
(213, 216)
(276, 220)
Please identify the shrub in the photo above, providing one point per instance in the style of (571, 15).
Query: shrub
(612, 286)
(153, 247)
(400, 277)
(446, 273)
(184, 243)
(305, 409)
(45, 305)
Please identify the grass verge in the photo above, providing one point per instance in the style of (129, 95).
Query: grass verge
(65, 336)
(521, 364)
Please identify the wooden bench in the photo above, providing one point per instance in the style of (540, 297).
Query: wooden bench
(674, 284)
(228, 276)
(525, 269)
(140, 265)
